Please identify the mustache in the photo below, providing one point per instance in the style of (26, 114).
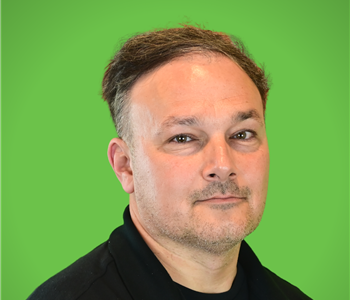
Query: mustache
(216, 187)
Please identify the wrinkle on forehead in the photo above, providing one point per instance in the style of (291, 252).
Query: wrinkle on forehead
(237, 117)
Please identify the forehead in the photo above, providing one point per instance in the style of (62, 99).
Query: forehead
(200, 85)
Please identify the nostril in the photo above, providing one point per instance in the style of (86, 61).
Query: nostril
(212, 175)
(232, 174)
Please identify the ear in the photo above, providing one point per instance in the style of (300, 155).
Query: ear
(119, 158)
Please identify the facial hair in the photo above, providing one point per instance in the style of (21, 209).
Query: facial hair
(196, 232)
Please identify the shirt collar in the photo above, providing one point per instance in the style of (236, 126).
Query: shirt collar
(147, 279)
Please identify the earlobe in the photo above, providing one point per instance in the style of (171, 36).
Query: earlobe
(119, 158)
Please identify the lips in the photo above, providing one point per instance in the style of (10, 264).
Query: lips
(223, 199)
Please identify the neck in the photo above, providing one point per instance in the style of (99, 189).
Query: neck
(195, 269)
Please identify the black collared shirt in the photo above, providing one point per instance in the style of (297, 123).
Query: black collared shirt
(124, 268)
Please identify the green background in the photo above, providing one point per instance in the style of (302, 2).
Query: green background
(60, 197)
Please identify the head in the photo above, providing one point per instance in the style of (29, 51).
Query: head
(192, 151)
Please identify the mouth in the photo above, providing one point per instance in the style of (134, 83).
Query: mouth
(223, 199)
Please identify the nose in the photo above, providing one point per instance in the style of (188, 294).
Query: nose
(219, 163)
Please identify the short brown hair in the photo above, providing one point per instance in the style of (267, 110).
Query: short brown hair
(147, 51)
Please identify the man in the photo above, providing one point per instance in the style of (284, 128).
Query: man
(189, 108)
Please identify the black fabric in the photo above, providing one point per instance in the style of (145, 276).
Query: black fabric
(238, 290)
(124, 268)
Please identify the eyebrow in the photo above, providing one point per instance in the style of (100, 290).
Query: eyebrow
(194, 121)
(184, 121)
(245, 115)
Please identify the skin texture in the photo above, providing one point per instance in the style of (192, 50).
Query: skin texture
(198, 171)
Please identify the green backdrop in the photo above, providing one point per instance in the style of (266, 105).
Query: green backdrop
(60, 197)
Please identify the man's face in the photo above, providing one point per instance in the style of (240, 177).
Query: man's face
(200, 160)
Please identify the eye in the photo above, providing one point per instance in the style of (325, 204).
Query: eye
(181, 139)
(244, 135)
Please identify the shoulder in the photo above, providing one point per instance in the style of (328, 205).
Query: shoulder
(288, 289)
(83, 279)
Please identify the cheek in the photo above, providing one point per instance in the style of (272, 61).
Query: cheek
(177, 173)
(265, 168)
(174, 178)
(254, 171)
(261, 183)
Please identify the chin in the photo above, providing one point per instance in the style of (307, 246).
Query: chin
(216, 238)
